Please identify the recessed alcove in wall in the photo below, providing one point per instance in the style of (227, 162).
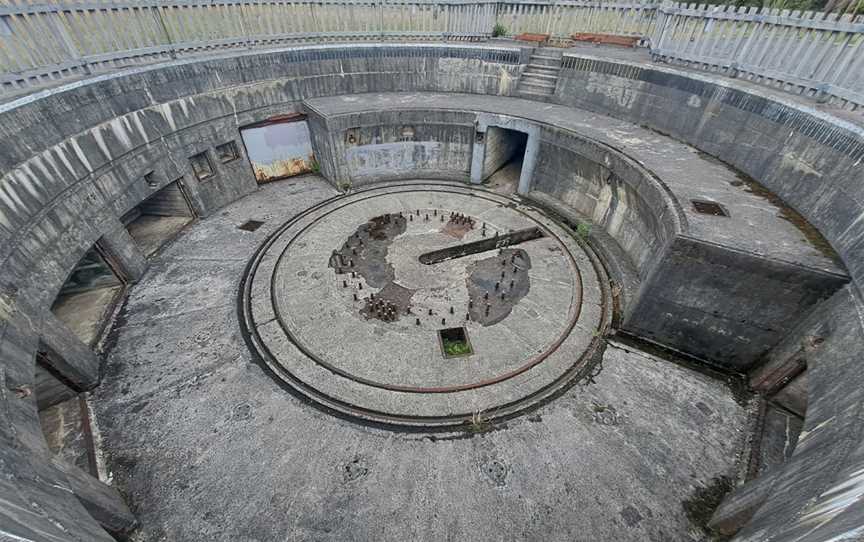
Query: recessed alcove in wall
(64, 415)
(502, 161)
(159, 218)
(88, 295)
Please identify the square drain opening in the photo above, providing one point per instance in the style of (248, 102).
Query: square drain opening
(454, 342)
(709, 208)
(251, 225)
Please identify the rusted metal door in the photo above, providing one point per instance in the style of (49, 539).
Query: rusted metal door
(279, 147)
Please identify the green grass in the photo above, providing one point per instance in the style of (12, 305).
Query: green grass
(455, 348)
(498, 30)
(583, 230)
(479, 423)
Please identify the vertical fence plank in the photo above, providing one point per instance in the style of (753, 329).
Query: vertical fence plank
(790, 49)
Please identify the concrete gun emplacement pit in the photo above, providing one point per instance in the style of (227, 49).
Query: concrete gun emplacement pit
(470, 271)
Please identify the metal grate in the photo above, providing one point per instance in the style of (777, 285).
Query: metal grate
(709, 208)
(251, 225)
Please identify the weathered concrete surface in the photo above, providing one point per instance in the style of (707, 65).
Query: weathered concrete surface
(747, 301)
(816, 494)
(70, 357)
(643, 200)
(502, 146)
(123, 253)
(803, 155)
(206, 445)
(151, 232)
(528, 347)
(86, 312)
(59, 188)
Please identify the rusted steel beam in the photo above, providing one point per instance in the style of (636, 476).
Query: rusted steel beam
(484, 245)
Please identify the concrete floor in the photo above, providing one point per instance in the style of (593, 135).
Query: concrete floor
(505, 181)
(207, 446)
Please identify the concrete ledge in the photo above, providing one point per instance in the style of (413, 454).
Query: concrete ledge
(73, 157)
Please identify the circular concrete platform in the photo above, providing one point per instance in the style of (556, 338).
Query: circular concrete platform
(339, 304)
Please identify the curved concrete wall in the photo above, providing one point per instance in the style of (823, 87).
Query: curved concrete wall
(610, 190)
(75, 160)
(808, 158)
(813, 162)
(598, 182)
(381, 146)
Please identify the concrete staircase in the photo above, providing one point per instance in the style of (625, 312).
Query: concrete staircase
(541, 75)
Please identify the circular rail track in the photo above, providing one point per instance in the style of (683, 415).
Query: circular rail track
(315, 320)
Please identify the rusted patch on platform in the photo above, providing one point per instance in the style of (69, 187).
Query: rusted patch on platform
(389, 304)
(364, 253)
(497, 284)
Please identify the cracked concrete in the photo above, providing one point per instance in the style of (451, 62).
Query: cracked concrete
(206, 445)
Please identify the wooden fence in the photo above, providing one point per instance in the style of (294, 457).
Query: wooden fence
(808, 53)
(68, 38)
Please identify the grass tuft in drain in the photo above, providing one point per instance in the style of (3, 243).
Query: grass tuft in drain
(454, 342)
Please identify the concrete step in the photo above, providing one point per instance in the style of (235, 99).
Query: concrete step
(546, 58)
(540, 76)
(532, 92)
(536, 85)
(540, 82)
(542, 68)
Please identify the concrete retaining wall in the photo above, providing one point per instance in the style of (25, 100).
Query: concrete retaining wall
(382, 146)
(811, 160)
(707, 299)
(610, 192)
(75, 159)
